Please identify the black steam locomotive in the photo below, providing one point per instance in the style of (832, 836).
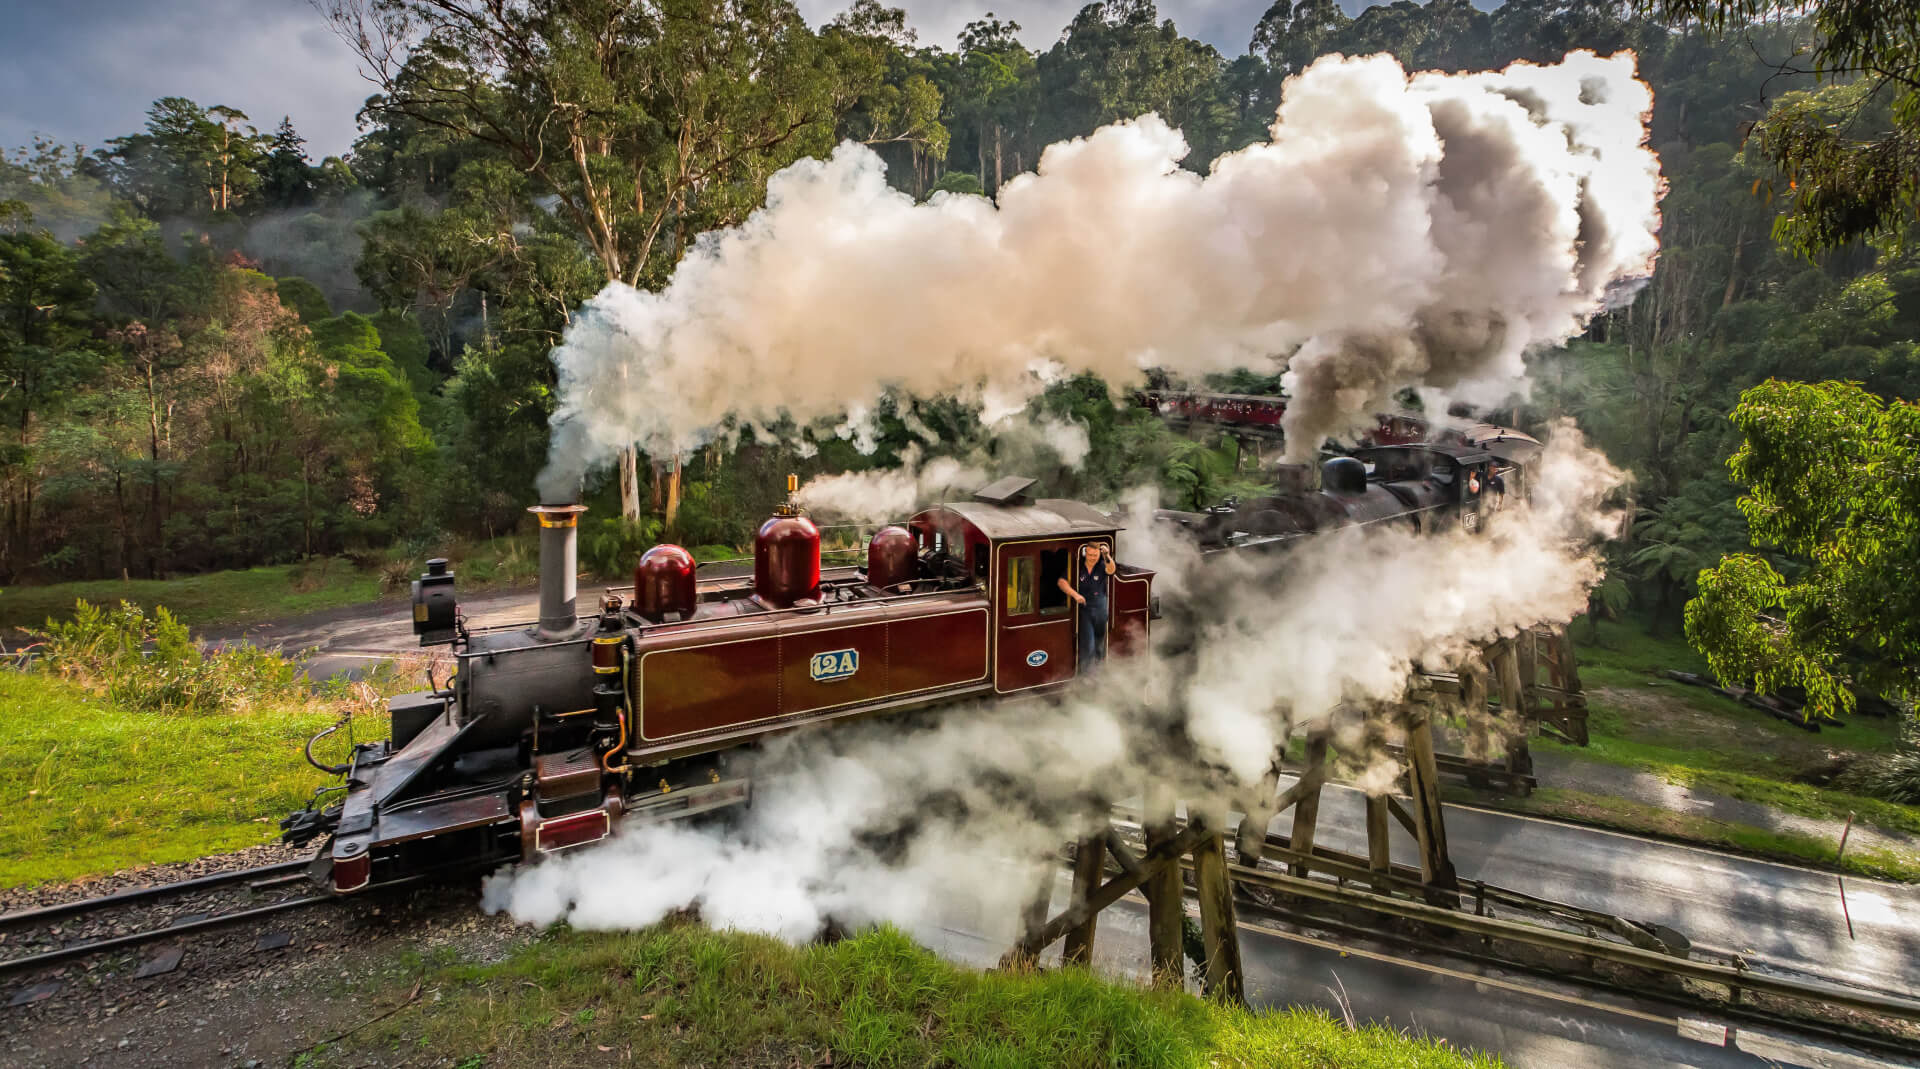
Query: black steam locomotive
(1425, 486)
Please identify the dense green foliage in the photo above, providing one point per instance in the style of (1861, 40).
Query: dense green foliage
(1850, 156)
(216, 354)
(1833, 478)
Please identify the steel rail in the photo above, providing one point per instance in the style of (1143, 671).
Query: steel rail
(140, 894)
(134, 939)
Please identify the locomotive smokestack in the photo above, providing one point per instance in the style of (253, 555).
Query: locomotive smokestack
(559, 563)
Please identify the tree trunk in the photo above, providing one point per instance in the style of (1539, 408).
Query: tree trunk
(980, 153)
(1733, 268)
(673, 494)
(153, 476)
(306, 505)
(999, 163)
(630, 484)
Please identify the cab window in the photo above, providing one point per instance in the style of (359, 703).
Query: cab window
(1019, 586)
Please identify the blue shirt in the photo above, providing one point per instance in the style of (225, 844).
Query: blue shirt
(1093, 584)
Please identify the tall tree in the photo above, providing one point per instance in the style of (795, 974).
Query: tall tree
(1293, 32)
(189, 161)
(1846, 179)
(286, 178)
(45, 304)
(648, 123)
(1117, 60)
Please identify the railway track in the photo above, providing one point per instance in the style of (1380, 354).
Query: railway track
(37, 938)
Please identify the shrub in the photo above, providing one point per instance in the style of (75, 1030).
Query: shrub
(397, 574)
(1896, 776)
(152, 663)
(611, 546)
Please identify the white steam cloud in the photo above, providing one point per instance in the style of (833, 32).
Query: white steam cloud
(1397, 230)
(907, 822)
(1031, 447)
(890, 493)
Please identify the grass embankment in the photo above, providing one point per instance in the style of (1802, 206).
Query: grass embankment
(216, 599)
(1704, 741)
(89, 785)
(125, 743)
(679, 994)
(1640, 818)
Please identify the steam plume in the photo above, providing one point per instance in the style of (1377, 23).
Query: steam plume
(904, 823)
(1395, 231)
(1034, 446)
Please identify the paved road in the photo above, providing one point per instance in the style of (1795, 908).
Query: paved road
(1765, 911)
(1531, 1023)
(346, 640)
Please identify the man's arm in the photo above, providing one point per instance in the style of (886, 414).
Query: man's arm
(1070, 591)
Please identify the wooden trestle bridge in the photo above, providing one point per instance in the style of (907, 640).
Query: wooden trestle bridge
(1497, 701)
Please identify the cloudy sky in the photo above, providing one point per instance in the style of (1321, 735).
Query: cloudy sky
(86, 70)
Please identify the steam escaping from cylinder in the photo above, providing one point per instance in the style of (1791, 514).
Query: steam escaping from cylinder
(953, 816)
(1395, 231)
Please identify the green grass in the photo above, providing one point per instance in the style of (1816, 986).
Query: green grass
(89, 787)
(679, 994)
(1630, 646)
(216, 599)
(1692, 736)
(1639, 818)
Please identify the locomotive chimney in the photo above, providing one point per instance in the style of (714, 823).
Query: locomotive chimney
(559, 563)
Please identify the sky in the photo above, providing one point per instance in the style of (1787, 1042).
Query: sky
(87, 70)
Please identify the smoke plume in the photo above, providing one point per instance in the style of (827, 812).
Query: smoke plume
(1397, 230)
(908, 822)
(1036, 446)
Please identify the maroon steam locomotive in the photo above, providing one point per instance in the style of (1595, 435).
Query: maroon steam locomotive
(550, 735)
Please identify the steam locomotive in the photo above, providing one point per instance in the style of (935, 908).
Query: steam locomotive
(549, 735)
(1405, 472)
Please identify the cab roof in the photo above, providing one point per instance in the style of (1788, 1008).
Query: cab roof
(1047, 516)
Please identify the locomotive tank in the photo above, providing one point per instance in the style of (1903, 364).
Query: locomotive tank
(786, 562)
(664, 584)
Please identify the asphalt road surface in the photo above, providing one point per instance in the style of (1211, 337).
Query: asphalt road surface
(1786, 917)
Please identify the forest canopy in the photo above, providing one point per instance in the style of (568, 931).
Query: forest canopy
(218, 352)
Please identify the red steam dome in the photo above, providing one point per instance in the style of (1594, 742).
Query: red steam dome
(786, 561)
(663, 583)
(890, 557)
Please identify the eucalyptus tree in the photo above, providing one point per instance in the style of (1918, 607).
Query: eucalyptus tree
(1846, 178)
(46, 301)
(647, 123)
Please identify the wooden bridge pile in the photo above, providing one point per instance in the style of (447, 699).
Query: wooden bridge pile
(1533, 674)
